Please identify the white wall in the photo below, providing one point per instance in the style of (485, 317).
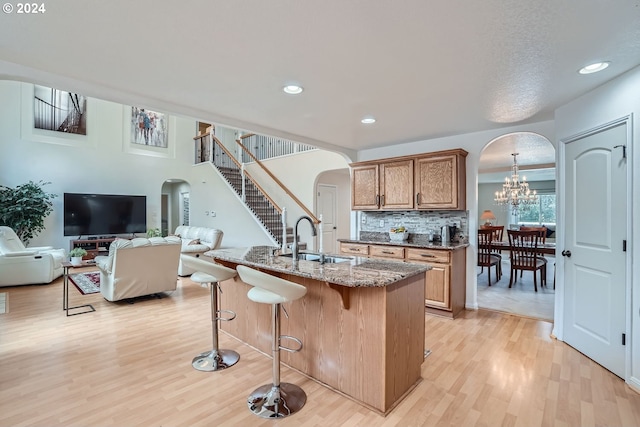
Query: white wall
(98, 163)
(299, 173)
(616, 99)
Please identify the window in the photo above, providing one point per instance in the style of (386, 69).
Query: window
(544, 212)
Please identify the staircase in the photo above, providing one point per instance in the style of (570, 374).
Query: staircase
(262, 208)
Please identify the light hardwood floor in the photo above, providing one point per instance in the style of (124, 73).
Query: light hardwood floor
(130, 365)
(520, 299)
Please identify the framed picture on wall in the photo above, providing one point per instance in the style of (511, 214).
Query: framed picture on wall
(58, 110)
(149, 128)
(148, 133)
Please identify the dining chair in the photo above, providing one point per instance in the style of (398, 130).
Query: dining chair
(523, 246)
(542, 240)
(486, 257)
(498, 233)
(542, 233)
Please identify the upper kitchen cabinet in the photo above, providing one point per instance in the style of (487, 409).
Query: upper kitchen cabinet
(440, 180)
(382, 185)
(429, 181)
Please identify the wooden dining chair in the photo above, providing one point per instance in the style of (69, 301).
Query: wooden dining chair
(486, 257)
(542, 233)
(498, 234)
(523, 246)
(542, 236)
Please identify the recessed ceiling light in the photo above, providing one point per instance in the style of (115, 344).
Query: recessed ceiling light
(367, 120)
(594, 68)
(292, 89)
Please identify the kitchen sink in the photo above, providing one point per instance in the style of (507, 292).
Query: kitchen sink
(321, 258)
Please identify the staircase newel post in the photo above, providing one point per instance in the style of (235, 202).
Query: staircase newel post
(284, 230)
(320, 235)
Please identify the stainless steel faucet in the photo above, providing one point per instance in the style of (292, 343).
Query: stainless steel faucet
(294, 247)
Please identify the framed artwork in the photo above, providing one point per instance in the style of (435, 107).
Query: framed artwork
(59, 111)
(30, 132)
(147, 133)
(148, 128)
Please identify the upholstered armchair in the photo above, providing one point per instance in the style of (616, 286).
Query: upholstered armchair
(196, 240)
(139, 267)
(27, 266)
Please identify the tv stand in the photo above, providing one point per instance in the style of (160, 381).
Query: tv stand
(94, 246)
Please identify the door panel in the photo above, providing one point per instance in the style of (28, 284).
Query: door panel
(595, 274)
(327, 208)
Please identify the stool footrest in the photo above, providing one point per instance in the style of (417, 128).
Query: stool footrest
(291, 350)
(226, 319)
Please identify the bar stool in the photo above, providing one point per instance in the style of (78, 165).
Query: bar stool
(276, 400)
(208, 272)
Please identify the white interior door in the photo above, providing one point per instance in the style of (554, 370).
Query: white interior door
(327, 208)
(595, 222)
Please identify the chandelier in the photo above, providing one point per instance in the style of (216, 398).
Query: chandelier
(515, 192)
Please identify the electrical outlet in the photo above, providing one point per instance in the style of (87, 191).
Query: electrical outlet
(206, 213)
(382, 223)
(364, 219)
(213, 213)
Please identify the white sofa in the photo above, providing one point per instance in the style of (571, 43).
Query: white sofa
(197, 240)
(27, 266)
(139, 267)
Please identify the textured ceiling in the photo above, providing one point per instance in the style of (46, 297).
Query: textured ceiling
(424, 69)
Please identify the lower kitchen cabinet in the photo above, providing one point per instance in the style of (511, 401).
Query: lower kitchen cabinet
(445, 283)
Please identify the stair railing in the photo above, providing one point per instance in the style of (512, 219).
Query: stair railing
(279, 183)
(222, 157)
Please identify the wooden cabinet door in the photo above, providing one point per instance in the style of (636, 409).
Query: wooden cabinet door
(440, 182)
(396, 185)
(437, 286)
(364, 187)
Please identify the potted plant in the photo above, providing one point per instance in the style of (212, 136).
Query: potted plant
(24, 208)
(154, 232)
(76, 255)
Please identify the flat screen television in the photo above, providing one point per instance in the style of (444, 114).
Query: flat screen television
(104, 214)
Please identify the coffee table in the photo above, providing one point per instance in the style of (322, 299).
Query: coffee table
(66, 265)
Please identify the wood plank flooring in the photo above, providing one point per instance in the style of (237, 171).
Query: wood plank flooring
(130, 365)
(520, 299)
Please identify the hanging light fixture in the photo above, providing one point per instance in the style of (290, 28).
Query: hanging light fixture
(516, 192)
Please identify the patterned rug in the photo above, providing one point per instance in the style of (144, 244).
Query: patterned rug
(87, 283)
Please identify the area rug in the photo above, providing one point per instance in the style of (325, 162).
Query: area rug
(87, 283)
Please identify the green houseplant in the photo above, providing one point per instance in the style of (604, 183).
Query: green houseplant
(76, 255)
(24, 208)
(154, 232)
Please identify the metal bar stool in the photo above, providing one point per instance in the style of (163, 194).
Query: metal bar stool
(211, 273)
(276, 400)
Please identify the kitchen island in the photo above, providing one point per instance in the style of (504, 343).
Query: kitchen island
(361, 321)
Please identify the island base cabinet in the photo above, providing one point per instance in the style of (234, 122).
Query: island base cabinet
(365, 342)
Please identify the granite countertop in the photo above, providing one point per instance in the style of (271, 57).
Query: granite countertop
(357, 272)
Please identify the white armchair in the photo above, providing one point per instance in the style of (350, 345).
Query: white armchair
(139, 267)
(27, 266)
(196, 240)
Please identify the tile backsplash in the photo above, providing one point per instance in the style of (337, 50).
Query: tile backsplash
(416, 222)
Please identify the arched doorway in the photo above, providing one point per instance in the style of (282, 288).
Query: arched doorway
(536, 161)
(174, 209)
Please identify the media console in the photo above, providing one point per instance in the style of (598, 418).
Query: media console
(93, 246)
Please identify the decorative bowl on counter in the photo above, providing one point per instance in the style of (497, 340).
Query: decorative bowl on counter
(401, 236)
